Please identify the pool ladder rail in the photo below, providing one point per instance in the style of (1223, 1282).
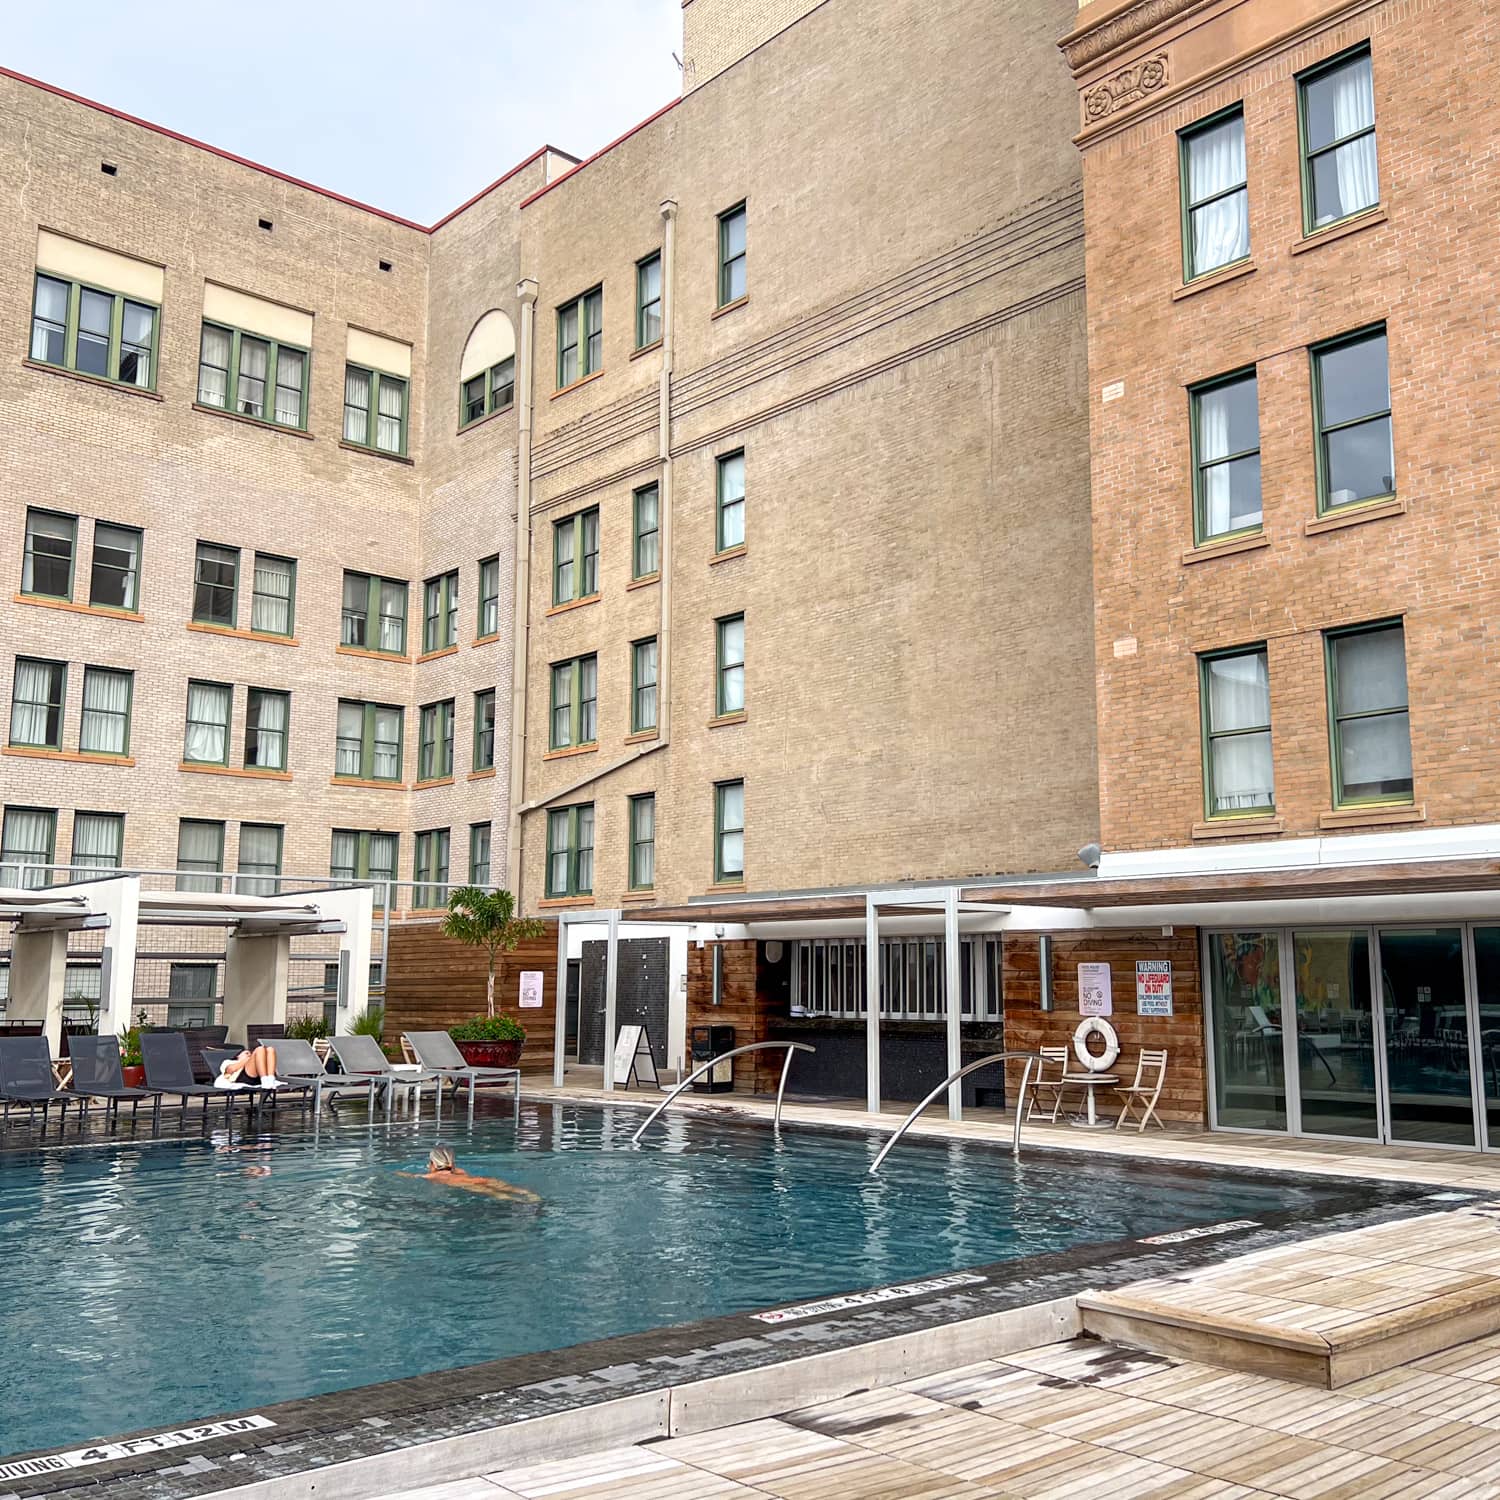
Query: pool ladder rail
(713, 1062)
(952, 1078)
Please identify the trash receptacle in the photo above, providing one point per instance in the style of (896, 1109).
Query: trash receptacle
(710, 1042)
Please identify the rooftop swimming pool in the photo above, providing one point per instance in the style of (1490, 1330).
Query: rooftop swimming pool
(163, 1283)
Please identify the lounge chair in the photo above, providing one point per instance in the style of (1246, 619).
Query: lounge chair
(1150, 1077)
(169, 1070)
(1044, 1087)
(361, 1056)
(259, 1033)
(438, 1053)
(97, 1075)
(216, 1057)
(297, 1062)
(26, 1077)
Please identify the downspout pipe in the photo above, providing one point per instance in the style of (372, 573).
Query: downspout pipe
(664, 452)
(526, 291)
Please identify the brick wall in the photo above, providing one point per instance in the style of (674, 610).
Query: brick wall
(717, 33)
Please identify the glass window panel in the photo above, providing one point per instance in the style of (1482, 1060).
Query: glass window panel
(1335, 1034)
(355, 613)
(1245, 997)
(26, 841)
(1345, 181)
(291, 376)
(489, 596)
(567, 345)
(48, 564)
(647, 539)
(36, 709)
(391, 416)
(1370, 671)
(271, 602)
(1339, 103)
(1354, 380)
(564, 539)
(356, 405)
(1375, 757)
(593, 320)
(473, 398)
(260, 859)
(137, 323)
(386, 743)
(105, 727)
(584, 861)
(479, 854)
(49, 321)
(250, 393)
(207, 739)
(562, 706)
(1361, 462)
(1239, 692)
(1487, 983)
(503, 384)
(216, 573)
(349, 741)
(200, 848)
(213, 366)
(589, 525)
(265, 729)
(98, 840)
(1228, 419)
(392, 616)
(588, 700)
(116, 566)
(95, 312)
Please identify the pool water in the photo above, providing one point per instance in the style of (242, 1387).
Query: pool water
(160, 1284)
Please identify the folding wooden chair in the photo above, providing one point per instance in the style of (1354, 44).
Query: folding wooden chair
(1042, 1086)
(1144, 1092)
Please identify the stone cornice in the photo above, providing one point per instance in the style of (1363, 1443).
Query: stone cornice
(1082, 47)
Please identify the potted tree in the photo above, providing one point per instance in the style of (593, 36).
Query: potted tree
(488, 920)
(132, 1069)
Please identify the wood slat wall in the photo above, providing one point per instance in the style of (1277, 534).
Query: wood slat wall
(432, 981)
(738, 1007)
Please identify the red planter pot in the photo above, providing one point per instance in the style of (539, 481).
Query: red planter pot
(490, 1054)
(134, 1076)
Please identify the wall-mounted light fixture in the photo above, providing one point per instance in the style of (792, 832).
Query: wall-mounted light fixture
(1044, 963)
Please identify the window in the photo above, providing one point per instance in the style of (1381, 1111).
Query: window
(266, 715)
(1352, 403)
(489, 597)
(361, 855)
(484, 730)
(1215, 198)
(490, 390)
(646, 557)
(368, 745)
(215, 584)
(47, 570)
(1236, 690)
(440, 612)
(98, 840)
(195, 988)
(26, 842)
(648, 300)
(575, 706)
(431, 870)
(732, 284)
(260, 859)
(729, 832)
(730, 531)
(731, 660)
(435, 741)
(105, 725)
(643, 842)
(208, 708)
(275, 588)
(97, 333)
(829, 978)
(575, 557)
(580, 338)
(374, 410)
(570, 850)
(1336, 105)
(114, 580)
(1226, 457)
(479, 854)
(200, 855)
(255, 377)
(1371, 730)
(36, 703)
(374, 614)
(643, 686)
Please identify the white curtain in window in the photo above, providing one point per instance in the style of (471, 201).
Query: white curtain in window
(213, 367)
(344, 861)
(1213, 442)
(1216, 164)
(28, 713)
(271, 731)
(106, 702)
(96, 841)
(351, 732)
(289, 371)
(392, 617)
(356, 406)
(271, 607)
(387, 743)
(1354, 109)
(27, 841)
(388, 420)
(1371, 671)
(208, 720)
(1242, 772)
(252, 391)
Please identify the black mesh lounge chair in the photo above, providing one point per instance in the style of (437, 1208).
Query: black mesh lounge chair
(97, 1075)
(361, 1056)
(169, 1070)
(216, 1057)
(259, 1032)
(26, 1077)
(438, 1053)
(296, 1061)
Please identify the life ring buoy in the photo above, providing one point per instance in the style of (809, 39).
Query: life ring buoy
(1096, 1062)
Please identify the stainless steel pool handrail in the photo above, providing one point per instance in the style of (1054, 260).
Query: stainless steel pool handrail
(698, 1072)
(983, 1062)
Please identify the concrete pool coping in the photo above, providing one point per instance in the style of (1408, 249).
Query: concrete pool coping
(671, 1381)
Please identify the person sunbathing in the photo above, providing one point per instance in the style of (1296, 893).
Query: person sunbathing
(254, 1068)
(441, 1167)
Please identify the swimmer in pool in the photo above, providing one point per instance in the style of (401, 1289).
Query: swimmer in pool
(441, 1167)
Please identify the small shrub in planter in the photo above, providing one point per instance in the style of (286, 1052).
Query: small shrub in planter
(132, 1069)
(307, 1029)
(489, 1041)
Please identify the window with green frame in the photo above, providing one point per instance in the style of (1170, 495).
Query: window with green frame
(479, 854)
(200, 854)
(28, 840)
(575, 703)
(643, 841)
(732, 275)
(1215, 194)
(729, 530)
(114, 580)
(1356, 455)
(252, 376)
(36, 703)
(570, 850)
(374, 614)
(273, 595)
(645, 560)
(216, 577)
(267, 712)
(484, 730)
(489, 597)
(259, 867)
(729, 653)
(209, 705)
(575, 557)
(430, 870)
(93, 332)
(489, 391)
(1368, 714)
(440, 612)
(375, 410)
(104, 728)
(1336, 118)
(580, 337)
(367, 746)
(1235, 694)
(729, 832)
(360, 854)
(435, 741)
(648, 300)
(643, 686)
(47, 565)
(98, 841)
(1226, 456)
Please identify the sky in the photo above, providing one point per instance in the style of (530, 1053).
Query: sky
(408, 106)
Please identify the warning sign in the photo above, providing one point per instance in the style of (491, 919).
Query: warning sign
(1153, 987)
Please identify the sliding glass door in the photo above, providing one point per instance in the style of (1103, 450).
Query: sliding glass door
(1336, 1034)
(1249, 1068)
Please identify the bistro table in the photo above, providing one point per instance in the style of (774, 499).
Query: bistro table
(1089, 1082)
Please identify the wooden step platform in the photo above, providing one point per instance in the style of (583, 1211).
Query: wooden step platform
(1324, 1312)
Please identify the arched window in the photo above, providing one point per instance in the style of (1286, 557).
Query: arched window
(487, 373)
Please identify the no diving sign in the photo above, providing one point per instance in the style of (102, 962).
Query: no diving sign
(1153, 987)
